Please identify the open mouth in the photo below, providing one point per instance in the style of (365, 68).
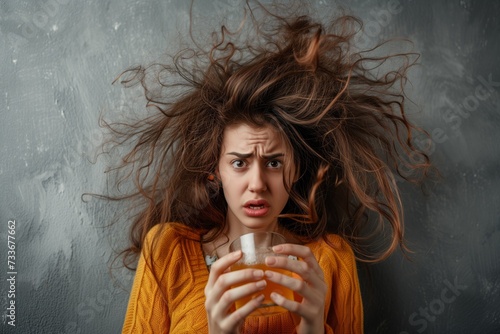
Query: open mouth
(256, 207)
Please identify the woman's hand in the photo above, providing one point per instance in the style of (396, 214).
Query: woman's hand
(311, 287)
(220, 296)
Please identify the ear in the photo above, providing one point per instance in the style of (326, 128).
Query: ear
(215, 176)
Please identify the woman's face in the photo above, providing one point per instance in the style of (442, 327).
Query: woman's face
(251, 168)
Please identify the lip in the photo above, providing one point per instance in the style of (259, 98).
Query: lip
(252, 212)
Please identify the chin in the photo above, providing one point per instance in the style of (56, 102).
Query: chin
(257, 224)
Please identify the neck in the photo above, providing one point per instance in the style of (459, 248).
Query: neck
(236, 230)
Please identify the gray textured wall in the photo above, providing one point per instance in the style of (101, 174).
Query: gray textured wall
(58, 58)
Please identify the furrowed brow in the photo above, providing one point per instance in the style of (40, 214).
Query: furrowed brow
(248, 155)
(241, 155)
(273, 156)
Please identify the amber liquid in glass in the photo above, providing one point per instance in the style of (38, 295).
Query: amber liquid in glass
(270, 287)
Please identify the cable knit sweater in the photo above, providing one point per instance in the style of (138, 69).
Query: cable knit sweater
(173, 302)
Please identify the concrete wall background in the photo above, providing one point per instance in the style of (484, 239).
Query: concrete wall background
(58, 59)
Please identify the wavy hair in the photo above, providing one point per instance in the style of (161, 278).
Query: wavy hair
(340, 109)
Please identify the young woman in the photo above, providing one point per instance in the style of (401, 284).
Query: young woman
(287, 131)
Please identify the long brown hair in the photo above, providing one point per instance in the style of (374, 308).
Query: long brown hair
(341, 110)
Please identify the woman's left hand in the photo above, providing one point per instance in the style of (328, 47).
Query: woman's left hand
(311, 287)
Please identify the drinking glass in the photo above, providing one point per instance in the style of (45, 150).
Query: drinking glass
(255, 248)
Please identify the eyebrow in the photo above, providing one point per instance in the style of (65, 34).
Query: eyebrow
(248, 155)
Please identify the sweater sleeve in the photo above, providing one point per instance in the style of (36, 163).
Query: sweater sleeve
(147, 311)
(343, 305)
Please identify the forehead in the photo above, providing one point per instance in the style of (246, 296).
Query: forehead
(245, 138)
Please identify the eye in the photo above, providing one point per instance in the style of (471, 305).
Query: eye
(274, 164)
(238, 164)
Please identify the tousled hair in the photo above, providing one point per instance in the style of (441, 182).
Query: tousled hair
(341, 110)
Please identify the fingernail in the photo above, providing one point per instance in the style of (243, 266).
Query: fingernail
(261, 284)
(237, 254)
(270, 261)
(269, 274)
(277, 248)
(258, 273)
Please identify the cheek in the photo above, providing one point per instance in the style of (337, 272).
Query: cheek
(232, 186)
(223, 174)
(230, 182)
(280, 190)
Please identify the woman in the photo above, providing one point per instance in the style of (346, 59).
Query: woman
(289, 131)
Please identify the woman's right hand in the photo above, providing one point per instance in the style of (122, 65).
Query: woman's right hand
(220, 296)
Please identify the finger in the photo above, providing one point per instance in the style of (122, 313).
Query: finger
(232, 278)
(301, 268)
(288, 304)
(301, 252)
(309, 312)
(229, 297)
(221, 265)
(223, 286)
(297, 285)
(244, 290)
(235, 319)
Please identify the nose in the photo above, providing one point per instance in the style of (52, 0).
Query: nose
(257, 181)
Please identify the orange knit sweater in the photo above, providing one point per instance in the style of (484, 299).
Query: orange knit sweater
(174, 302)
